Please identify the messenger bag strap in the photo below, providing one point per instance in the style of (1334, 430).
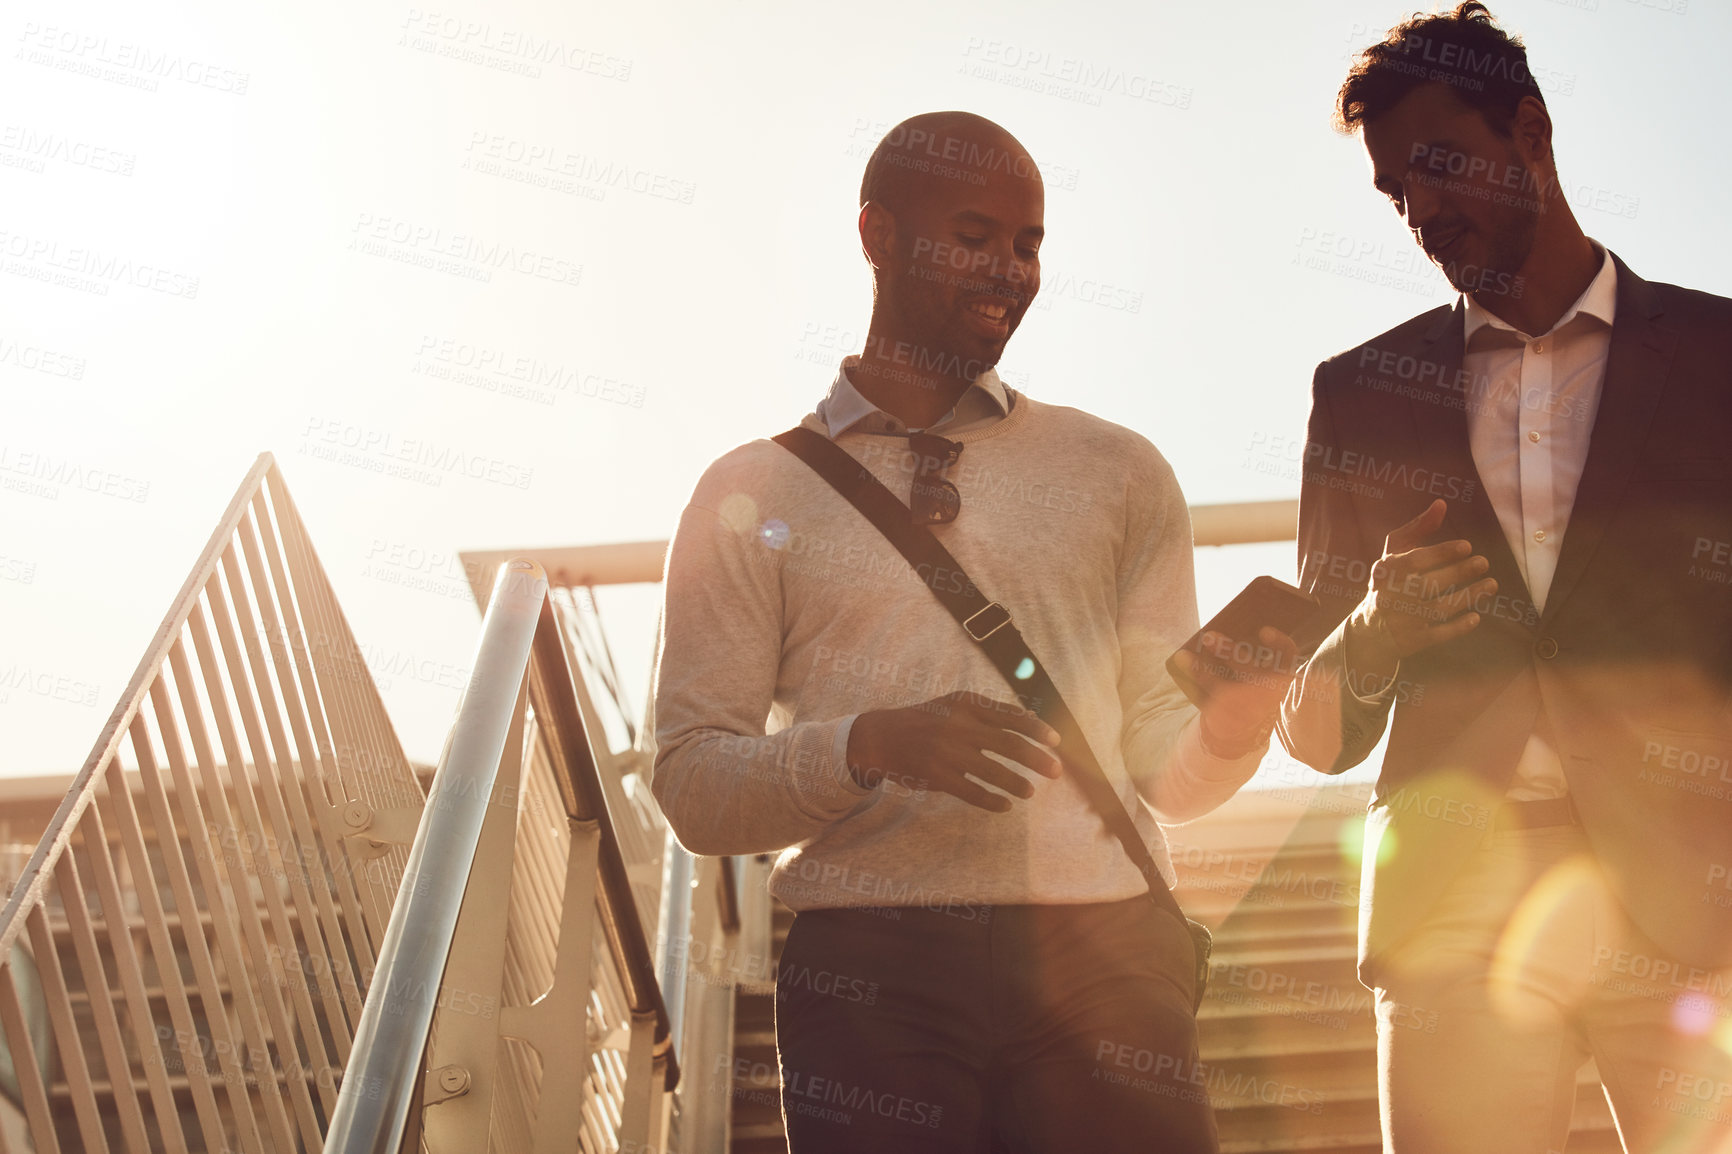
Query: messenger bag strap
(991, 627)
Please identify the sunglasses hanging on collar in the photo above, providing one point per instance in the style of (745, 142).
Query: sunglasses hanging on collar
(933, 500)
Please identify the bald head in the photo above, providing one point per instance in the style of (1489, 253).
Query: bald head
(923, 153)
(952, 217)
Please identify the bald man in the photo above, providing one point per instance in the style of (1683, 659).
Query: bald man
(975, 963)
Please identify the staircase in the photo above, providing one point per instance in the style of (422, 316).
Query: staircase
(757, 1086)
(194, 942)
(1287, 1032)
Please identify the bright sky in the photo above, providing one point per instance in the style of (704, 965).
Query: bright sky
(241, 202)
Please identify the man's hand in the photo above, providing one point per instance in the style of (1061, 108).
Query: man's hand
(939, 744)
(1241, 684)
(1421, 595)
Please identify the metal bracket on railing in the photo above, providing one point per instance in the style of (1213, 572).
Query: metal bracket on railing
(618, 1038)
(444, 1084)
(379, 831)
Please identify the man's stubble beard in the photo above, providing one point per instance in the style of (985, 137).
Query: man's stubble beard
(1510, 244)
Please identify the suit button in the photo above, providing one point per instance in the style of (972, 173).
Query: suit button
(1546, 648)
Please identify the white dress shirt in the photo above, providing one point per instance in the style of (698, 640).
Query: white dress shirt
(1528, 426)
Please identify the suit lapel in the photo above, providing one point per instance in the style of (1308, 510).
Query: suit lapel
(1637, 365)
(1440, 427)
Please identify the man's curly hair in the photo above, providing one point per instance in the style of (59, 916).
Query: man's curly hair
(1487, 67)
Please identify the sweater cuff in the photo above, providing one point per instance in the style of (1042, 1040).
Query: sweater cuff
(839, 751)
(1195, 757)
(823, 786)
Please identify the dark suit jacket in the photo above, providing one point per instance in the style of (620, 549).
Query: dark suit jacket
(1631, 658)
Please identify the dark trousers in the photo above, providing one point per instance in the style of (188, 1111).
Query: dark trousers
(987, 1029)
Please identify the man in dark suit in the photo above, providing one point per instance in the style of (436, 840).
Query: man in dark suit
(1519, 510)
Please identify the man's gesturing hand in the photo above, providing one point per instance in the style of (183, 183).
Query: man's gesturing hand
(1421, 595)
(939, 744)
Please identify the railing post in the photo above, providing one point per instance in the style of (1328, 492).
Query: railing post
(374, 1101)
(675, 960)
(645, 1078)
(552, 1022)
(462, 1054)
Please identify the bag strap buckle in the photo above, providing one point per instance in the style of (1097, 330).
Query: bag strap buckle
(997, 617)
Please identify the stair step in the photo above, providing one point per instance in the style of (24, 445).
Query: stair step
(181, 1083)
(1350, 1120)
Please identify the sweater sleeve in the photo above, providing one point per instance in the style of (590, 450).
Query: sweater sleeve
(727, 786)
(1158, 613)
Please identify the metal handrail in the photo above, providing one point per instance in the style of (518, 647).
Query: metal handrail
(384, 1071)
(632, 562)
(560, 724)
(520, 649)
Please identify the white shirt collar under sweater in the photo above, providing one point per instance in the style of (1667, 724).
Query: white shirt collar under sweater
(844, 408)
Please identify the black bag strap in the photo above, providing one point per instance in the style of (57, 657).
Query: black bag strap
(991, 627)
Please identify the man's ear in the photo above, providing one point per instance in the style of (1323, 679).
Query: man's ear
(1532, 129)
(877, 234)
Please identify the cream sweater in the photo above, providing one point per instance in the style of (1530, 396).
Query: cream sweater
(784, 605)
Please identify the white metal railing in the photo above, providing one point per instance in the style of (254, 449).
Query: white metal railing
(201, 920)
(384, 1076)
(703, 914)
(520, 917)
(189, 951)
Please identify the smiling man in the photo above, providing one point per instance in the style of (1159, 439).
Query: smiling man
(975, 959)
(1512, 504)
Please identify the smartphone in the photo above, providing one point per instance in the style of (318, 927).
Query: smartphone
(1265, 601)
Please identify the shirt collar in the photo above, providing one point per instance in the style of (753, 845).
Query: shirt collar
(844, 406)
(1599, 300)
